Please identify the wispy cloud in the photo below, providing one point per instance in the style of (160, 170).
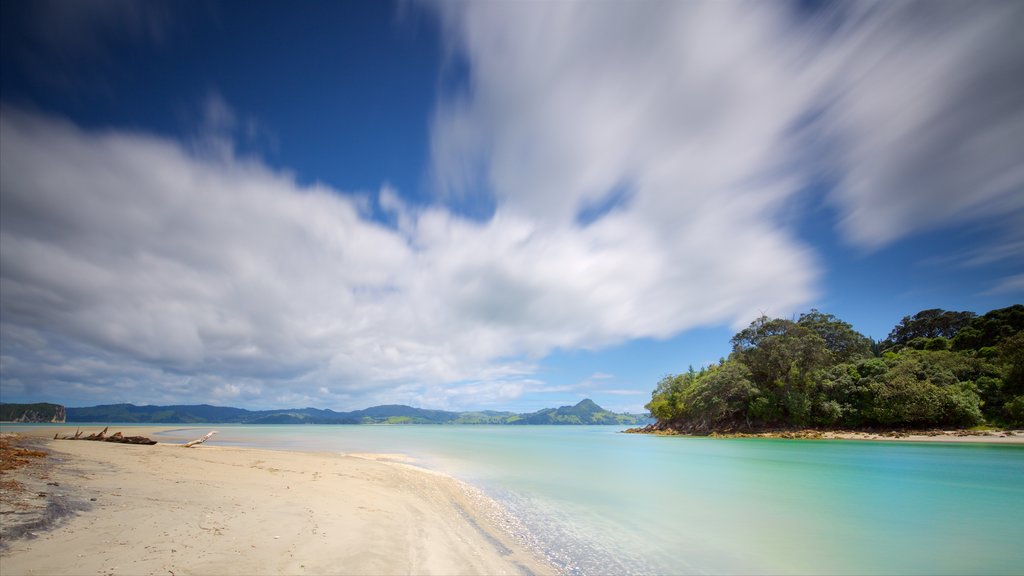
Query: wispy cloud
(161, 274)
(625, 392)
(913, 109)
(570, 104)
(922, 108)
(641, 160)
(1009, 285)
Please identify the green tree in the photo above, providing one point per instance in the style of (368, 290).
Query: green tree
(926, 324)
(1014, 411)
(990, 329)
(843, 342)
(780, 353)
(720, 397)
(818, 371)
(920, 390)
(1011, 351)
(843, 393)
(667, 402)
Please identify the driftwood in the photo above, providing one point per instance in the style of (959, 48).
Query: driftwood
(131, 440)
(116, 437)
(199, 440)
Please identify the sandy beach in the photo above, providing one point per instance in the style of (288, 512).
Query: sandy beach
(165, 509)
(955, 436)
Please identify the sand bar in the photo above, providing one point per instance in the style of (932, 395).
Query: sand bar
(165, 509)
(954, 436)
(938, 436)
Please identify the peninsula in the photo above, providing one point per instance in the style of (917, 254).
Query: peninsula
(937, 370)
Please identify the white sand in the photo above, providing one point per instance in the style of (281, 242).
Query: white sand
(167, 510)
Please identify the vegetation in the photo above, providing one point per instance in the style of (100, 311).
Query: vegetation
(39, 412)
(935, 369)
(585, 412)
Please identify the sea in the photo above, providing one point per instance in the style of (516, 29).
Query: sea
(596, 501)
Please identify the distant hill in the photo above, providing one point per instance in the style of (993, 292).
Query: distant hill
(585, 412)
(40, 412)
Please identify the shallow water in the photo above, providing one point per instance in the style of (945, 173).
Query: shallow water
(603, 502)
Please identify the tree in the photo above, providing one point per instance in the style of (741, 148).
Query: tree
(926, 324)
(843, 393)
(842, 341)
(667, 399)
(780, 353)
(818, 371)
(921, 389)
(1011, 352)
(990, 329)
(720, 397)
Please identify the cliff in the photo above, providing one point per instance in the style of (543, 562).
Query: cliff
(40, 412)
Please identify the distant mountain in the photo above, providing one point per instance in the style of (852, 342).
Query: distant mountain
(585, 412)
(40, 412)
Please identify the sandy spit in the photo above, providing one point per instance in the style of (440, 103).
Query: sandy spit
(170, 510)
(957, 436)
(1002, 437)
(961, 436)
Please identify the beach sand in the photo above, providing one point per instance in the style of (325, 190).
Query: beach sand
(955, 436)
(167, 510)
(938, 436)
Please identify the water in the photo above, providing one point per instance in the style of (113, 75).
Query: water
(603, 502)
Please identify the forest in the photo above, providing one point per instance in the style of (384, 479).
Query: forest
(936, 369)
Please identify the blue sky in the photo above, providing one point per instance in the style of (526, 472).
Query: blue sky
(485, 205)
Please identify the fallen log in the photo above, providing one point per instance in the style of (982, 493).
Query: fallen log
(199, 440)
(117, 438)
(99, 436)
(133, 440)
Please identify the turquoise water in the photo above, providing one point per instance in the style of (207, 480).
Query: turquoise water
(603, 502)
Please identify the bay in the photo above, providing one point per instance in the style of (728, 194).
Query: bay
(601, 502)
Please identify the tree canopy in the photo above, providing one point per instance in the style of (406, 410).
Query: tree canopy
(936, 369)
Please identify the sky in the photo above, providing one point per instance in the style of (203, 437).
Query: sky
(485, 205)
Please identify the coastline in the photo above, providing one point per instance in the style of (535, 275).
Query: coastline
(953, 436)
(210, 509)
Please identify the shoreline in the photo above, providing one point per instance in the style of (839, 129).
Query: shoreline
(937, 436)
(212, 509)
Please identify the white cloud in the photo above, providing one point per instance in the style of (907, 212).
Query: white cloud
(722, 110)
(128, 261)
(569, 103)
(134, 268)
(625, 392)
(924, 114)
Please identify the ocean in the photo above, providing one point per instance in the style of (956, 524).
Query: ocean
(601, 502)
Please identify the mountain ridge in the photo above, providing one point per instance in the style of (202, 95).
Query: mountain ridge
(585, 412)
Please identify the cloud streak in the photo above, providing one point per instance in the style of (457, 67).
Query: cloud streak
(923, 115)
(128, 260)
(643, 162)
(914, 110)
